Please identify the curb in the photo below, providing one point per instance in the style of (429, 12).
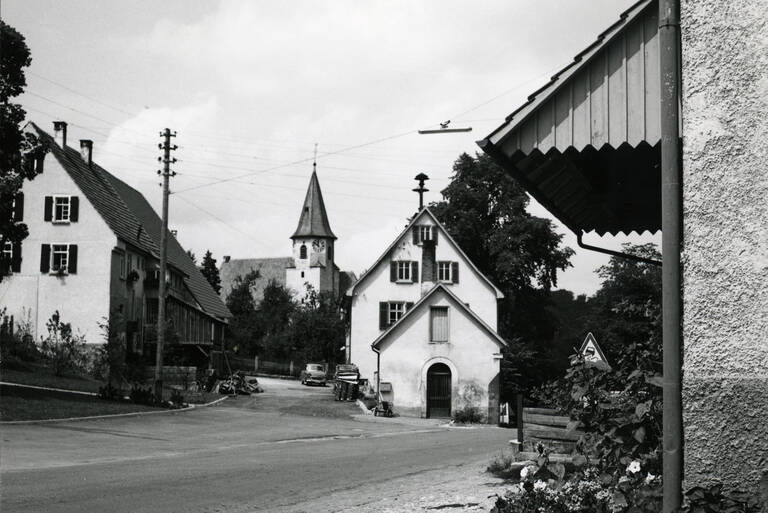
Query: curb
(21, 385)
(97, 417)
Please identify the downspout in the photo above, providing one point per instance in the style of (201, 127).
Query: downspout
(378, 373)
(671, 227)
(611, 252)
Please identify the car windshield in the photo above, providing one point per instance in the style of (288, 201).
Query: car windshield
(315, 367)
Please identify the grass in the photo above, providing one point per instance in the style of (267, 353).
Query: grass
(30, 404)
(42, 376)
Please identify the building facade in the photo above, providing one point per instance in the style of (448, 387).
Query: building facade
(92, 252)
(424, 301)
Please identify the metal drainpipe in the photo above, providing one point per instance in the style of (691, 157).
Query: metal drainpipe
(671, 226)
(378, 373)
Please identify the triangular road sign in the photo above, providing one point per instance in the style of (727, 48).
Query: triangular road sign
(592, 352)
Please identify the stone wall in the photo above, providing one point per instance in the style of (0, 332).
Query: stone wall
(725, 247)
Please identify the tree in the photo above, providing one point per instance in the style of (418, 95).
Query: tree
(14, 143)
(192, 256)
(484, 210)
(275, 316)
(627, 307)
(211, 272)
(243, 327)
(318, 329)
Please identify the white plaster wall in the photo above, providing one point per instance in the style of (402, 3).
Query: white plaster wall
(472, 289)
(82, 299)
(297, 284)
(408, 354)
(725, 241)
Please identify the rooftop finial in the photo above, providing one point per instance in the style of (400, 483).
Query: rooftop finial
(421, 177)
(314, 164)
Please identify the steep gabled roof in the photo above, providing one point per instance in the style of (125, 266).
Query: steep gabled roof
(313, 221)
(425, 300)
(100, 193)
(206, 297)
(132, 219)
(424, 212)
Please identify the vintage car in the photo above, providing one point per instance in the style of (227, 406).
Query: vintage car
(313, 374)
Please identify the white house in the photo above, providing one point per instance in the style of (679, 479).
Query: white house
(92, 250)
(423, 318)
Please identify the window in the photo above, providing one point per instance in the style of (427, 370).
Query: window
(303, 252)
(403, 271)
(423, 233)
(391, 311)
(59, 257)
(8, 250)
(122, 267)
(12, 257)
(438, 324)
(396, 310)
(444, 271)
(61, 209)
(130, 263)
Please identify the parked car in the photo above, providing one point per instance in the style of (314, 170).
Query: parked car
(313, 374)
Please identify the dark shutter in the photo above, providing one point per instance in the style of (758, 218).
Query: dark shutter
(455, 272)
(18, 207)
(416, 234)
(408, 306)
(415, 272)
(45, 258)
(16, 257)
(393, 271)
(434, 235)
(383, 315)
(74, 208)
(72, 260)
(48, 208)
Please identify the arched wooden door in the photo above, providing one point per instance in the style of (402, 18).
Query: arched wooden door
(438, 391)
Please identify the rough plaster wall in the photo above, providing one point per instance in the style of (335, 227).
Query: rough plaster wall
(725, 256)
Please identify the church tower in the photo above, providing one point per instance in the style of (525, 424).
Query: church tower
(313, 246)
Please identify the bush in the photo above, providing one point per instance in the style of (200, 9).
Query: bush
(468, 415)
(502, 465)
(110, 393)
(64, 349)
(177, 399)
(16, 342)
(141, 395)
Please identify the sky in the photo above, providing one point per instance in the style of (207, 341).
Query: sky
(251, 86)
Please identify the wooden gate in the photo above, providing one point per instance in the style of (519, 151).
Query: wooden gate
(439, 391)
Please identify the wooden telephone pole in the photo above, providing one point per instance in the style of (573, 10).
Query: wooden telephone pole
(166, 173)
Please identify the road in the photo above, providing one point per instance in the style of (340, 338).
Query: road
(290, 449)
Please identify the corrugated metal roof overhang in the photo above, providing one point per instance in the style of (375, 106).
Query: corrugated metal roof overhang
(586, 145)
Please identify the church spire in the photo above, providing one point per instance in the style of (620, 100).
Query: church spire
(313, 221)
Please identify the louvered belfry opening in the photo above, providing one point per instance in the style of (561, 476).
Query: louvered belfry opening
(587, 144)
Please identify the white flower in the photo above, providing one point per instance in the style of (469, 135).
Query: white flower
(539, 485)
(623, 479)
(649, 478)
(525, 471)
(634, 467)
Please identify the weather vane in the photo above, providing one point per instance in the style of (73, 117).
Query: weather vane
(421, 177)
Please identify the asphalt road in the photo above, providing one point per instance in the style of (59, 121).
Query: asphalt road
(285, 449)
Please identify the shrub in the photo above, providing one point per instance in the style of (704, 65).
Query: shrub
(177, 399)
(16, 342)
(141, 395)
(502, 465)
(468, 415)
(110, 393)
(64, 349)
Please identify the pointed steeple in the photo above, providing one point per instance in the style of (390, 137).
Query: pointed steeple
(314, 220)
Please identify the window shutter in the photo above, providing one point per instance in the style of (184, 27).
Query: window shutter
(415, 272)
(383, 315)
(455, 272)
(48, 208)
(416, 234)
(434, 235)
(393, 271)
(18, 207)
(45, 258)
(16, 257)
(72, 260)
(74, 207)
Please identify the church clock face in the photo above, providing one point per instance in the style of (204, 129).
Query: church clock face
(318, 245)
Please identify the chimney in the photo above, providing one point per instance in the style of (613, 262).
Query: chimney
(226, 258)
(60, 133)
(86, 151)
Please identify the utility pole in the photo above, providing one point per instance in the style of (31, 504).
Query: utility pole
(166, 173)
